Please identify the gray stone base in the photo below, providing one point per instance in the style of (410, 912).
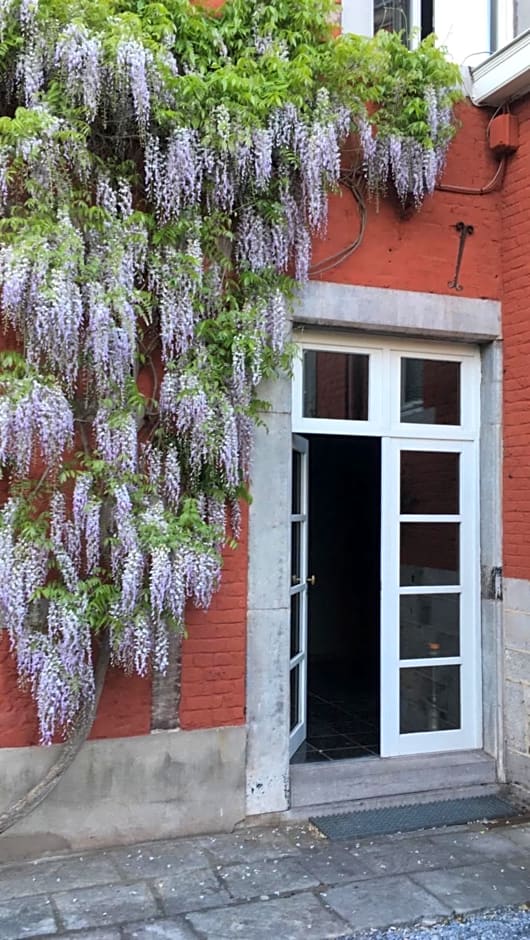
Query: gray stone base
(129, 789)
(517, 684)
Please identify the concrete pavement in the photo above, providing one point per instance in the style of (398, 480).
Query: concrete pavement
(286, 883)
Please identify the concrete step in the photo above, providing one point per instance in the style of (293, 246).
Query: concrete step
(369, 782)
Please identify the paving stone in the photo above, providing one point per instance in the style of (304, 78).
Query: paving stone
(154, 859)
(273, 876)
(478, 886)
(97, 907)
(159, 930)
(191, 891)
(97, 934)
(45, 877)
(384, 902)
(249, 845)
(332, 864)
(485, 844)
(417, 854)
(295, 918)
(520, 835)
(26, 917)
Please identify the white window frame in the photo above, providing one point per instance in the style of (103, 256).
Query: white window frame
(383, 404)
(357, 17)
(384, 420)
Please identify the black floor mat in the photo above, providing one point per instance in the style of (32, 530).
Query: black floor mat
(408, 818)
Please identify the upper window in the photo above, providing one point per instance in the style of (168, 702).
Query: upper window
(470, 30)
(404, 16)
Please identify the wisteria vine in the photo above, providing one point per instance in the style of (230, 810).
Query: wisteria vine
(163, 169)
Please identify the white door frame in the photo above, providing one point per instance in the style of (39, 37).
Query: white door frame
(299, 587)
(384, 420)
(469, 735)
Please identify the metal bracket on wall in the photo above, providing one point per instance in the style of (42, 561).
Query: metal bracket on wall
(496, 587)
(492, 583)
(463, 230)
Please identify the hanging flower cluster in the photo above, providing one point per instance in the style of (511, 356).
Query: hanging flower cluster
(413, 166)
(162, 174)
(404, 143)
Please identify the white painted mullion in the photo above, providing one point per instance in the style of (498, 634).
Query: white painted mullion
(427, 661)
(429, 589)
(414, 23)
(296, 660)
(429, 517)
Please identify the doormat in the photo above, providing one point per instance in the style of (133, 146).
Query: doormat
(409, 817)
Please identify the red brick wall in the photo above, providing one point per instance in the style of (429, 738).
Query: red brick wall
(213, 672)
(214, 654)
(125, 707)
(515, 212)
(417, 254)
(420, 254)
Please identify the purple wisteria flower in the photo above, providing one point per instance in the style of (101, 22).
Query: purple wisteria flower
(41, 418)
(133, 61)
(78, 54)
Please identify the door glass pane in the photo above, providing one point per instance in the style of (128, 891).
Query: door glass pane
(295, 697)
(429, 699)
(335, 385)
(296, 633)
(296, 542)
(429, 482)
(297, 483)
(429, 625)
(430, 391)
(429, 553)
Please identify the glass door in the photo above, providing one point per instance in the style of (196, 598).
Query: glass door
(298, 593)
(430, 661)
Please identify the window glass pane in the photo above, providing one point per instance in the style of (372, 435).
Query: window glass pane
(429, 482)
(335, 385)
(429, 699)
(297, 483)
(430, 391)
(296, 608)
(429, 625)
(429, 553)
(296, 561)
(295, 697)
(392, 15)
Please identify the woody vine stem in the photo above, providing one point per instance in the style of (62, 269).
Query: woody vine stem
(163, 170)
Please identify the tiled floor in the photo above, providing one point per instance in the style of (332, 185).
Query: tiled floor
(342, 722)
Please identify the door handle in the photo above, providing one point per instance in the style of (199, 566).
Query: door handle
(312, 580)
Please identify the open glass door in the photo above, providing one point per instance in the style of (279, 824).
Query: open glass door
(430, 661)
(298, 592)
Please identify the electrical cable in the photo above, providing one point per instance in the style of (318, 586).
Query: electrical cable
(472, 190)
(348, 180)
(498, 176)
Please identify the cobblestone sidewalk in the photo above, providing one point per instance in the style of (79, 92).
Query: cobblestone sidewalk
(265, 884)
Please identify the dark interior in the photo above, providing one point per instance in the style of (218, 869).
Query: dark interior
(343, 622)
